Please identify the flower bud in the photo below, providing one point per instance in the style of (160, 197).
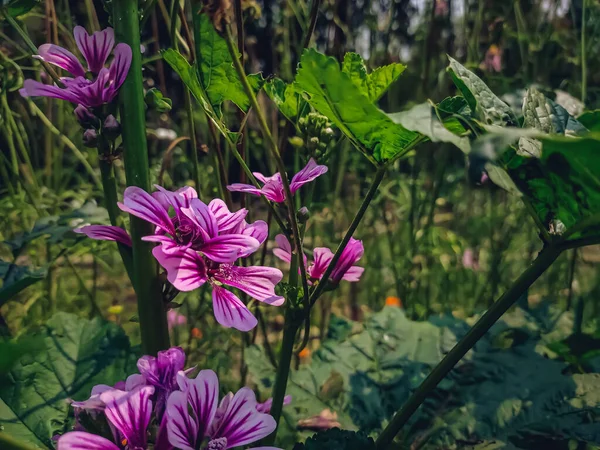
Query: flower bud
(296, 142)
(90, 137)
(303, 214)
(85, 117)
(111, 127)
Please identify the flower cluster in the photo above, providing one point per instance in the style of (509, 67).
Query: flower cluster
(161, 408)
(94, 87)
(322, 256)
(273, 186)
(200, 244)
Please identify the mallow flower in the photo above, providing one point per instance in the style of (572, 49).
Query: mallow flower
(273, 186)
(322, 256)
(92, 87)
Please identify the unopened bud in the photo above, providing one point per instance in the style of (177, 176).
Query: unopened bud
(90, 137)
(85, 117)
(296, 142)
(303, 214)
(111, 127)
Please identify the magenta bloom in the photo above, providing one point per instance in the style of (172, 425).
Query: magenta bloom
(188, 270)
(102, 84)
(105, 233)
(322, 256)
(195, 419)
(273, 186)
(129, 415)
(266, 406)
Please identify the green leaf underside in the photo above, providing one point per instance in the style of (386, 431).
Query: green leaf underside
(590, 120)
(422, 119)
(486, 105)
(78, 354)
(189, 76)
(372, 85)
(285, 97)
(216, 71)
(331, 92)
(365, 372)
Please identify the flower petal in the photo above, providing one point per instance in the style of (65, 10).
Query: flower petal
(259, 230)
(353, 274)
(352, 253)
(322, 256)
(230, 311)
(120, 65)
(95, 48)
(241, 423)
(226, 220)
(273, 190)
(162, 436)
(80, 440)
(228, 247)
(105, 233)
(178, 199)
(306, 175)
(32, 88)
(182, 429)
(247, 188)
(199, 214)
(203, 397)
(284, 252)
(266, 406)
(61, 57)
(139, 203)
(256, 281)
(134, 381)
(185, 269)
(129, 412)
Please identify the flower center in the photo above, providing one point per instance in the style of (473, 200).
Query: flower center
(217, 444)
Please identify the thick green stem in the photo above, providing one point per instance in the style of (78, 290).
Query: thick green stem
(546, 257)
(151, 310)
(351, 229)
(583, 53)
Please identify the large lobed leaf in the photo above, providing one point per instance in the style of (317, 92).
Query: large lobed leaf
(506, 390)
(78, 354)
(372, 85)
(334, 94)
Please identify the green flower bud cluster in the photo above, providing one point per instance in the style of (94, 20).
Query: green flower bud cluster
(317, 133)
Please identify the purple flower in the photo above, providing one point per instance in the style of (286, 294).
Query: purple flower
(273, 186)
(104, 83)
(322, 256)
(128, 413)
(265, 407)
(105, 233)
(195, 420)
(188, 270)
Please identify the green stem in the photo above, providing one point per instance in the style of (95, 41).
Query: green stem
(351, 229)
(583, 51)
(546, 257)
(151, 310)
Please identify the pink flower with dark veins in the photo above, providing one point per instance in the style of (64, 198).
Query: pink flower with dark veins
(92, 87)
(273, 186)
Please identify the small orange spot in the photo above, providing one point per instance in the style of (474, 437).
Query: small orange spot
(393, 301)
(196, 333)
(304, 353)
(124, 442)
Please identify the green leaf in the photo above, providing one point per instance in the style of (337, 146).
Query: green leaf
(16, 278)
(331, 92)
(486, 105)
(17, 8)
(339, 440)
(422, 119)
(372, 85)
(215, 67)
(285, 97)
(78, 354)
(157, 101)
(188, 75)
(590, 120)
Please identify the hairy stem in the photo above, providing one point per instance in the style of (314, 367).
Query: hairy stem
(546, 257)
(151, 311)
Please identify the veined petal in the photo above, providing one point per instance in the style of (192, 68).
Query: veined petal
(162, 436)
(256, 281)
(185, 269)
(228, 247)
(226, 220)
(80, 440)
(353, 274)
(266, 406)
(202, 217)
(247, 188)
(273, 190)
(120, 65)
(352, 253)
(241, 423)
(129, 412)
(33, 88)
(284, 252)
(139, 203)
(322, 256)
(306, 175)
(179, 199)
(230, 311)
(203, 398)
(169, 245)
(134, 380)
(259, 230)
(61, 57)
(182, 429)
(105, 233)
(95, 48)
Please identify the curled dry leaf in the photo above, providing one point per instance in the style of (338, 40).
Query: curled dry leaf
(325, 420)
